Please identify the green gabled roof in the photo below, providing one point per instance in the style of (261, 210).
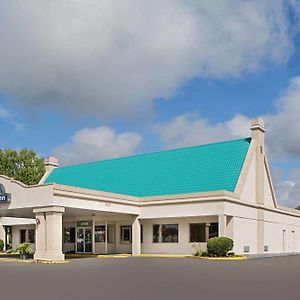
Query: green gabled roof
(204, 168)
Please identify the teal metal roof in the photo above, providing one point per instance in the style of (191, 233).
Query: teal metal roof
(204, 168)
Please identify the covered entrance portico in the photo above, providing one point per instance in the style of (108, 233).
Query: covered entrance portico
(68, 219)
(87, 231)
(65, 230)
(60, 230)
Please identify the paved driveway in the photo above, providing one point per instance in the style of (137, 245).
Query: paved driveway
(153, 278)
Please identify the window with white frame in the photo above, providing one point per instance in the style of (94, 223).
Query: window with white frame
(23, 233)
(198, 232)
(125, 234)
(100, 234)
(165, 233)
(201, 232)
(69, 235)
(31, 236)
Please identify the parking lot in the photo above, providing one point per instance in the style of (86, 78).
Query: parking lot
(152, 278)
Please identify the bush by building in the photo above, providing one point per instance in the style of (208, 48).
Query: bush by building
(219, 246)
(1, 245)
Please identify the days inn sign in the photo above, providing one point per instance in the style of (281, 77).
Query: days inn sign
(4, 197)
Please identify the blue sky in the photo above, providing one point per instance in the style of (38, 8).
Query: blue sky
(162, 75)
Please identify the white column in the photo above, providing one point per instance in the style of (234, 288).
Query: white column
(136, 237)
(258, 135)
(40, 234)
(2, 233)
(49, 233)
(260, 231)
(93, 236)
(207, 225)
(118, 237)
(222, 225)
(106, 233)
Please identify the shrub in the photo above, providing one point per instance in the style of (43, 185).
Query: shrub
(219, 246)
(205, 254)
(24, 248)
(10, 251)
(1, 245)
(198, 250)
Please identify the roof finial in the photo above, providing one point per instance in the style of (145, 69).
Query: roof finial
(51, 163)
(258, 124)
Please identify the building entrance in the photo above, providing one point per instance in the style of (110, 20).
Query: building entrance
(84, 237)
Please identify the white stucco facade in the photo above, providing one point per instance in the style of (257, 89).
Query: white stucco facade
(69, 219)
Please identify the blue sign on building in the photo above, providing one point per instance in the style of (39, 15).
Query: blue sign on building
(4, 197)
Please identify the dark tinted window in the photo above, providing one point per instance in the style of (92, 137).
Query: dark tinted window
(197, 233)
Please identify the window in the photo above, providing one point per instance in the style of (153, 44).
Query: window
(169, 233)
(69, 235)
(156, 233)
(22, 236)
(125, 234)
(166, 233)
(197, 233)
(100, 234)
(213, 230)
(31, 236)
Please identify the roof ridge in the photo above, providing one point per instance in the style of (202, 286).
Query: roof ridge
(152, 153)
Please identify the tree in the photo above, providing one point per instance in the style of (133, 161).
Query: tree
(298, 207)
(23, 165)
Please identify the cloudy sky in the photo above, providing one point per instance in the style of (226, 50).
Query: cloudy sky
(93, 79)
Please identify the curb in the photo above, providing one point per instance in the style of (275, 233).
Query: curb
(114, 256)
(8, 260)
(164, 255)
(31, 261)
(221, 258)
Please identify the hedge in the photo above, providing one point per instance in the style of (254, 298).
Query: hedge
(1, 245)
(219, 246)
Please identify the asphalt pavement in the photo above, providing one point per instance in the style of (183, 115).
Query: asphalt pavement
(152, 278)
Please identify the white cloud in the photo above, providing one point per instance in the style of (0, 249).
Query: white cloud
(10, 119)
(287, 190)
(282, 138)
(188, 130)
(92, 144)
(5, 114)
(112, 58)
(284, 126)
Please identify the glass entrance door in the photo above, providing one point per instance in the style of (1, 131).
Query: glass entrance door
(84, 240)
(88, 240)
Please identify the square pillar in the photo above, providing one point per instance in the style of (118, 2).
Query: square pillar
(2, 233)
(40, 234)
(49, 233)
(260, 231)
(207, 225)
(136, 237)
(222, 225)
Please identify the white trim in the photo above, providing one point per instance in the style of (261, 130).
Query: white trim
(246, 168)
(270, 181)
